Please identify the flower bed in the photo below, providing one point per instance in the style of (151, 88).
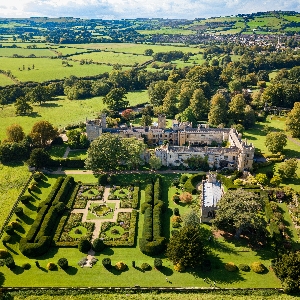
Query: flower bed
(88, 192)
(128, 196)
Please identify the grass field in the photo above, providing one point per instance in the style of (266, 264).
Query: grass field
(222, 251)
(62, 112)
(5, 80)
(12, 179)
(9, 52)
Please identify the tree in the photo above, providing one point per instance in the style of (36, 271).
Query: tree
(275, 180)
(199, 104)
(169, 103)
(23, 107)
(218, 110)
(148, 52)
(39, 94)
(39, 158)
(105, 153)
(293, 120)
(116, 99)
(287, 269)
(240, 212)
(262, 178)
(187, 248)
(288, 168)
(77, 140)
(146, 120)
(155, 162)
(15, 133)
(275, 141)
(192, 219)
(237, 107)
(134, 150)
(197, 162)
(235, 86)
(42, 133)
(249, 117)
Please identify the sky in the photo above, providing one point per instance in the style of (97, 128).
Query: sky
(127, 9)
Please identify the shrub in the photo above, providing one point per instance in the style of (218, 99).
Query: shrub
(102, 179)
(14, 224)
(257, 267)
(179, 267)
(63, 263)
(9, 262)
(183, 179)
(112, 179)
(84, 245)
(98, 245)
(9, 229)
(186, 197)
(244, 267)
(176, 198)
(174, 232)
(26, 266)
(121, 266)
(176, 225)
(51, 266)
(231, 267)
(37, 176)
(25, 199)
(145, 267)
(176, 219)
(158, 263)
(19, 211)
(3, 253)
(106, 262)
(176, 211)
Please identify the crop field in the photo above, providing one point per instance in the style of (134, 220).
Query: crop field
(62, 112)
(223, 250)
(113, 58)
(46, 69)
(136, 48)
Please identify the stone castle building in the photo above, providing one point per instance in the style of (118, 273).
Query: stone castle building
(182, 141)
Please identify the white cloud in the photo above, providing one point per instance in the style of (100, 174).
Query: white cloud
(141, 8)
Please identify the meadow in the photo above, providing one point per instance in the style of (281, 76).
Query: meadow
(61, 112)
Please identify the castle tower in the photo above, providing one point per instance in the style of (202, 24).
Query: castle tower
(103, 120)
(161, 121)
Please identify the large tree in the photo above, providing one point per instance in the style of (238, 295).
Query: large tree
(15, 133)
(187, 247)
(134, 150)
(116, 99)
(218, 110)
(39, 94)
(276, 141)
(288, 168)
(199, 105)
(237, 107)
(105, 153)
(39, 158)
(240, 212)
(23, 107)
(293, 120)
(42, 133)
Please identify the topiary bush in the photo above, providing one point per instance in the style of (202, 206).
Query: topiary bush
(3, 253)
(84, 245)
(231, 267)
(26, 266)
(19, 211)
(51, 266)
(183, 179)
(63, 263)
(257, 267)
(179, 267)
(145, 267)
(120, 266)
(244, 267)
(37, 176)
(106, 262)
(9, 262)
(158, 263)
(98, 245)
(14, 224)
(176, 198)
(102, 179)
(176, 211)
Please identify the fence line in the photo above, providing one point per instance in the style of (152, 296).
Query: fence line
(15, 205)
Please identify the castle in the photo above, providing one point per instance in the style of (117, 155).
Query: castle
(182, 141)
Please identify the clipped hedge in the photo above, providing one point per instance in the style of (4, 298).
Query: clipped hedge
(190, 184)
(135, 197)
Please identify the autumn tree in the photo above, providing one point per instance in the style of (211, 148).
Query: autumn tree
(15, 133)
(276, 141)
(42, 133)
(218, 110)
(293, 120)
(240, 212)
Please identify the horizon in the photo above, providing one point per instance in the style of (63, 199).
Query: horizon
(132, 9)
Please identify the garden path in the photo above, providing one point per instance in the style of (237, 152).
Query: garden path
(67, 152)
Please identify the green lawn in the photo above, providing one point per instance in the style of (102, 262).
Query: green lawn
(81, 154)
(5, 80)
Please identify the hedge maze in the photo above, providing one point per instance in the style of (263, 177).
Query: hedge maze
(152, 242)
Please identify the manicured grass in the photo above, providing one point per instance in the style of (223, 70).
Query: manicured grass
(91, 216)
(5, 80)
(12, 179)
(81, 154)
(61, 112)
(75, 235)
(58, 151)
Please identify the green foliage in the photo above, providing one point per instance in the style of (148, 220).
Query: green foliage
(26, 266)
(39, 158)
(63, 263)
(116, 99)
(102, 179)
(51, 266)
(231, 267)
(187, 247)
(145, 267)
(244, 267)
(9, 262)
(120, 266)
(3, 253)
(158, 263)
(257, 267)
(84, 245)
(262, 178)
(276, 141)
(190, 184)
(98, 245)
(106, 262)
(19, 211)
(288, 168)
(293, 120)
(42, 133)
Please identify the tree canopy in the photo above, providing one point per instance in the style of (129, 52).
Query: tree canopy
(288, 168)
(276, 141)
(293, 120)
(42, 133)
(15, 133)
(116, 99)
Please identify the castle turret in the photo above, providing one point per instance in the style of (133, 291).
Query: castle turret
(161, 121)
(103, 121)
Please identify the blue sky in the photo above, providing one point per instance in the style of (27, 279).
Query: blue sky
(117, 9)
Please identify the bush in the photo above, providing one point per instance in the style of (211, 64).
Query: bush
(231, 267)
(145, 267)
(186, 197)
(102, 179)
(176, 225)
(257, 267)
(26, 266)
(112, 179)
(158, 263)
(63, 263)
(244, 267)
(179, 267)
(25, 199)
(183, 179)
(120, 266)
(9, 262)
(9, 229)
(3, 253)
(106, 262)
(37, 176)
(176, 219)
(176, 211)
(176, 198)
(84, 245)
(51, 266)
(14, 224)
(98, 245)
(174, 232)
(19, 211)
